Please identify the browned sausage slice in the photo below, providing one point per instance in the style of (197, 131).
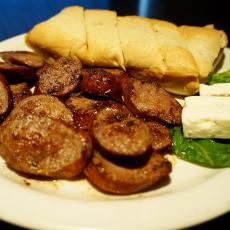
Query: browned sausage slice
(42, 105)
(117, 132)
(83, 109)
(161, 138)
(12, 68)
(43, 146)
(20, 91)
(59, 78)
(115, 178)
(102, 82)
(147, 99)
(5, 97)
(26, 58)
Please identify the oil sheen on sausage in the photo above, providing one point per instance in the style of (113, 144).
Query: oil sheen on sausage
(84, 110)
(102, 82)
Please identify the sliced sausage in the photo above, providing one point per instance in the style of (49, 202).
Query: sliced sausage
(147, 99)
(16, 72)
(59, 78)
(25, 58)
(84, 110)
(42, 105)
(5, 97)
(119, 178)
(101, 82)
(43, 146)
(19, 92)
(161, 137)
(117, 132)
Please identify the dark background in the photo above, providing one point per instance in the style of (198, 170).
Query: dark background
(18, 16)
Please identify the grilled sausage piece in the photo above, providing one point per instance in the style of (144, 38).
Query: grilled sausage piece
(5, 97)
(43, 146)
(19, 92)
(119, 178)
(25, 58)
(16, 72)
(102, 82)
(59, 78)
(161, 138)
(117, 132)
(84, 110)
(42, 105)
(147, 99)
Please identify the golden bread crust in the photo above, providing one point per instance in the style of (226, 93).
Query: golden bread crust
(60, 34)
(204, 43)
(178, 57)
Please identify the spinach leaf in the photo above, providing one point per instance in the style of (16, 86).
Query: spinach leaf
(205, 152)
(223, 77)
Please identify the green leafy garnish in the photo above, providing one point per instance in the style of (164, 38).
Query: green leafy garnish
(223, 77)
(205, 152)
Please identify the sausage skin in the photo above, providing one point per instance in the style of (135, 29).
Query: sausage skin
(25, 58)
(5, 97)
(42, 105)
(14, 72)
(115, 178)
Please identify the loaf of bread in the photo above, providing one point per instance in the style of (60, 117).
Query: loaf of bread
(179, 58)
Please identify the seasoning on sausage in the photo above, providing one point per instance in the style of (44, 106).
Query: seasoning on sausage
(43, 146)
(119, 178)
(117, 132)
(161, 138)
(42, 105)
(25, 58)
(149, 100)
(60, 78)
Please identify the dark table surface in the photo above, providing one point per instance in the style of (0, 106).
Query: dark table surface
(18, 16)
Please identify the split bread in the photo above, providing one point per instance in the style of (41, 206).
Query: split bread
(177, 57)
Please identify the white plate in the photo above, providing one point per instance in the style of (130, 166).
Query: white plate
(193, 195)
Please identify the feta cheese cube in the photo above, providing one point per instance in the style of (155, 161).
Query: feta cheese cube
(220, 89)
(206, 122)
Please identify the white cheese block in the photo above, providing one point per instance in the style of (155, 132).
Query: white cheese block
(220, 89)
(213, 101)
(206, 122)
